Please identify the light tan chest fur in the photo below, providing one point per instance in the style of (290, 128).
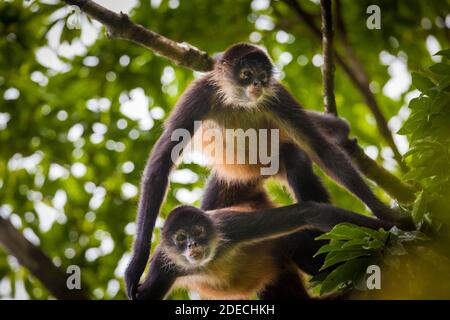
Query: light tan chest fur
(246, 270)
(225, 137)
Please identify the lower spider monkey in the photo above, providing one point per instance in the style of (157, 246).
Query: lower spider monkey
(305, 186)
(231, 254)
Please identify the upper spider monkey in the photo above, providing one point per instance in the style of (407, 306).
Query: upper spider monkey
(241, 92)
(231, 254)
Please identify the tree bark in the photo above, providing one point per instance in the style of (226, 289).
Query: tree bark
(120, 26)
(37, 262)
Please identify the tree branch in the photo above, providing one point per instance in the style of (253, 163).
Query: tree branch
(37, 262)
(120, 26)
(358, 79)
(341, 31)
(200, 61)
(371, 169)
(392, 185)
(328, 66)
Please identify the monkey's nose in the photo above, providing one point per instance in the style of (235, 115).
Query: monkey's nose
(192, 244)
(256, 83)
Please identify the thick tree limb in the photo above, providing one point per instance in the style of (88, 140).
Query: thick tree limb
(357, 75)
(37, 262)
(395, 188)
(328, 66)
(120, 26)
(198, 60)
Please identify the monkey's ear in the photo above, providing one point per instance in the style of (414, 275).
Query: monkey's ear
(218, 57)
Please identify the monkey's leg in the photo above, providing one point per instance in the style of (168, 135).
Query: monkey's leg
(306, 186)
(288, 286)
(222, 194)
(301, 247)
(302, 179)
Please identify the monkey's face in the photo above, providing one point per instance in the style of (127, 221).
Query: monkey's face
(189, 237)
(247, 71)
(253, 78)
(194, 244)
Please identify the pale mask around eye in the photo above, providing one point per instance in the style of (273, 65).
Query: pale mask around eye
(198, 231)
(245, 74)
(180, 237)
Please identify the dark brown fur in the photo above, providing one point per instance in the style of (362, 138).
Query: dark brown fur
(249, 254)
(219, 98)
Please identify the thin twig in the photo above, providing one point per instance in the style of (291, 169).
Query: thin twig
(328, 56)
(355, 75)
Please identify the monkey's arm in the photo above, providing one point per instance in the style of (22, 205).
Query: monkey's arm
(326, 154)
(193, 105)
(277, 222)
(160, 278)
(336, 129)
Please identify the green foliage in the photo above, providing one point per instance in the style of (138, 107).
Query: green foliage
(429, 134)
(354, 248)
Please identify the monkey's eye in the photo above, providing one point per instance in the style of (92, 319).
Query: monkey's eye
(180, 237)
(198, 231)
(263, 77)
(245, 74)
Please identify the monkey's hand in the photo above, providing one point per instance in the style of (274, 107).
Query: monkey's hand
(397, 217)
(160, 277)
(133, 275)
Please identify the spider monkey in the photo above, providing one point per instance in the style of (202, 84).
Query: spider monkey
(241, 92)
(231, 254)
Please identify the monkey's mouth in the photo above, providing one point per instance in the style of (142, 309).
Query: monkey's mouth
(254, 92)
(195, 256)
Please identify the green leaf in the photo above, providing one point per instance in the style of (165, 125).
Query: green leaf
(333, 246)
(279, 193)
(421, 82)
(345, 231)
(410, 125)
(445, 53)
(345, 274)
(336, 257)
(440, 68)
(444, 83)
(418, 103)
(419, 209)
(318, 278)
(354, 242)
(375, 244)
(439, 103)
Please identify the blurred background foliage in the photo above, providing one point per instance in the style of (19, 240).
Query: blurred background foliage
(79, 114)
